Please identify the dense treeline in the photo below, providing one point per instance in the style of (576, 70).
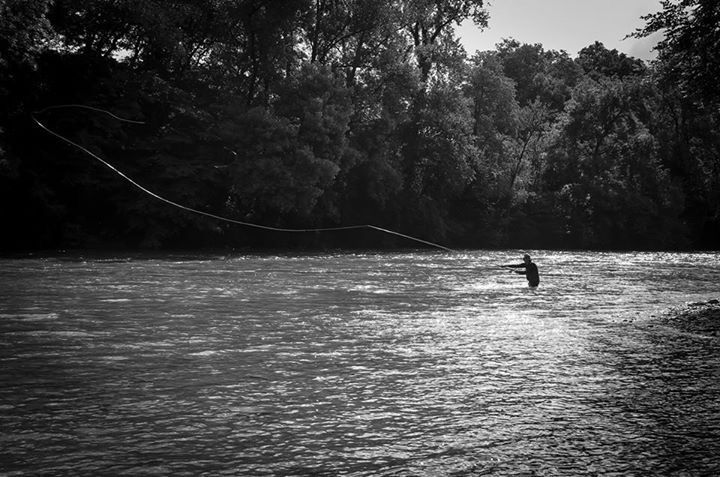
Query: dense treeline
(315, 113)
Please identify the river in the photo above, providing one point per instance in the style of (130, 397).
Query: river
(356, 364)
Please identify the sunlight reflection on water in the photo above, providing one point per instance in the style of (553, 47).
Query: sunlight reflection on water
(356, 364)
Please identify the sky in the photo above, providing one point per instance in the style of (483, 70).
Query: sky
(568, 25)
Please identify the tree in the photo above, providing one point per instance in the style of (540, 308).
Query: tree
(686, 72)
(495, 114)
(605, 172)
(384, 98)
(23, 30)
(429, 24)
(439, 156)
(289, 156)
(493, 95)
(524, 148)
(548, 76)
(511, 139)
(687, 133)
(99, 27)
(689, 53)
(332, 112)
(597, 62)
(260, 47)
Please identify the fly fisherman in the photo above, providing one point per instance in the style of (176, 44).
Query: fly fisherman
(530, 270)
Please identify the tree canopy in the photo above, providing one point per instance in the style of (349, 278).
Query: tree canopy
(324, 113)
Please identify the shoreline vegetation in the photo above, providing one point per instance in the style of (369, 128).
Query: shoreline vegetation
(328, 115)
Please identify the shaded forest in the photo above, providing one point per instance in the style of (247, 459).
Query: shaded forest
(322, 113)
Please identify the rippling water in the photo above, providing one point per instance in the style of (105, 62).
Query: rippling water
(356, 364)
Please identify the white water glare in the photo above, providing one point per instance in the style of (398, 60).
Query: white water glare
(402, 364)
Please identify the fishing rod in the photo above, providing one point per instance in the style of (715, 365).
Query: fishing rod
(196, 211)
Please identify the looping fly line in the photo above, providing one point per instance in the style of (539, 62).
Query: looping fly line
(196, 211)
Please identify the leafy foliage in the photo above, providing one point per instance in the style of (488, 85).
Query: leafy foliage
(307, 113)
(689, 53)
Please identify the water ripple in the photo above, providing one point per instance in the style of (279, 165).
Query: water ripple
(356, 364)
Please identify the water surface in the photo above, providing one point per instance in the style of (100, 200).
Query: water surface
(397, 364)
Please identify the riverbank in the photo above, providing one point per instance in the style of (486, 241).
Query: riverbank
(699, 317)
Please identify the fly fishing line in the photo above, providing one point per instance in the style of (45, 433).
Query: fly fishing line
(196, 211)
